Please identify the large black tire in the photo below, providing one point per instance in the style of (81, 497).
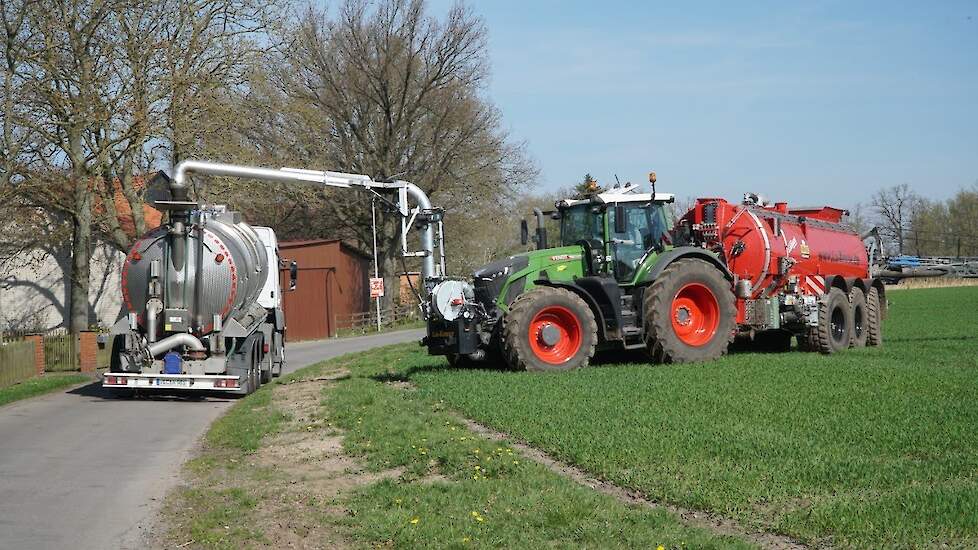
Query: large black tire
(712, 326)
(874, 318)
(115, 360)
(860, 332)
(549, 329)
(834, 329)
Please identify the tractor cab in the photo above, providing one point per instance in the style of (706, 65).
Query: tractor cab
(617, 228)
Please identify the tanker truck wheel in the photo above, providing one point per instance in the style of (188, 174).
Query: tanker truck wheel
(834, 330)
(874, 318)
(860, 325)
(689, 313)
(549, 329)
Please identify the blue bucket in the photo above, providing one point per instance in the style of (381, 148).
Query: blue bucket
(172, 363)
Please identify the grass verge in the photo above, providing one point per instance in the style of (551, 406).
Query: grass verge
(408, 474)
(40, 385)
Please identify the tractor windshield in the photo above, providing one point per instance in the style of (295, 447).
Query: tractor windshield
(580, 223)
(645, 229)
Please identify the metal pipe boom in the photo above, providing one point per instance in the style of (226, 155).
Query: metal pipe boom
(179, 185)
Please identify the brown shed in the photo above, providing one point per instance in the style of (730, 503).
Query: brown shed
(332, 284)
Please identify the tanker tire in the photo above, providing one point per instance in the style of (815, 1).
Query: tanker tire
(516, 346)
(115, 360)
(874, 318)
(661, 341)
(820, 338)
(860, 332)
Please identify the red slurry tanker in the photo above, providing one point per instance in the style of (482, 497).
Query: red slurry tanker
(794, 272)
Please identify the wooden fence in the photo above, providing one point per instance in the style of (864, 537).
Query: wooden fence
(16, 362)
(366, 322)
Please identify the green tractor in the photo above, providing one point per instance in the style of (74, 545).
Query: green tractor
(616, 281)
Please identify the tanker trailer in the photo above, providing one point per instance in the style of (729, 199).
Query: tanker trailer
(793, 271)
(204, 303)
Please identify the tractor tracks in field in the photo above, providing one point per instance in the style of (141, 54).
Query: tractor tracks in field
(694, 518)
(709, 521)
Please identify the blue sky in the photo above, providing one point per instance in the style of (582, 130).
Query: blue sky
(816, 102)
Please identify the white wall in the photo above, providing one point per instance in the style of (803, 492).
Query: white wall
(33, 289)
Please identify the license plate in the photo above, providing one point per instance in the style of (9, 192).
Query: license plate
(173, 382)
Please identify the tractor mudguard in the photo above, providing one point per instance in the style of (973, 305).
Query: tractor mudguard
(681, 252)
(603, 296)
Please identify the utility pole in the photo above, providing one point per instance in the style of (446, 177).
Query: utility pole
(373, 217)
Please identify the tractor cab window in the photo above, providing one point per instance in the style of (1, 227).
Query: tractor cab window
(579, 223)
(645, 227)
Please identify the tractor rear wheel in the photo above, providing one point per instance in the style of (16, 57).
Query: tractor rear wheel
(689, 313)
(549, 329)
(874, 318)
(857, 303)
(834, 330)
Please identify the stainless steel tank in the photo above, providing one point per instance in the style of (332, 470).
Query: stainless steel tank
(161, 272)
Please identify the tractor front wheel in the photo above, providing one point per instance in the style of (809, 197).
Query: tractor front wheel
(549, 329)
(689, 313)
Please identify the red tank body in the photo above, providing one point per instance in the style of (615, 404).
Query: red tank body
(774, 250)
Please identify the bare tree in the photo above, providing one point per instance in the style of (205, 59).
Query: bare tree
(104, 85)
(386, 90)
(895, 206)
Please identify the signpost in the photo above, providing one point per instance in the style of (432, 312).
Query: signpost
(376, 291)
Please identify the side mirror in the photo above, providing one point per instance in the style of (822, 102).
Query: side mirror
(293, 275)
(621, 219)
(524, 233)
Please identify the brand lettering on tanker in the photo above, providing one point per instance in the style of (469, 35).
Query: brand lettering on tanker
(838, 257)
(564, 257)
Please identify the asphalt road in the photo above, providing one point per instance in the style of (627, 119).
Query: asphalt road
(81, 469)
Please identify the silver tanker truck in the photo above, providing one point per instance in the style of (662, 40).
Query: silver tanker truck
(204, 302)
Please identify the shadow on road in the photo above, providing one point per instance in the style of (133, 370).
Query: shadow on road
(96, 391)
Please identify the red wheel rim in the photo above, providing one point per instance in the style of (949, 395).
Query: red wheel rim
(695, 314)
(555, 335)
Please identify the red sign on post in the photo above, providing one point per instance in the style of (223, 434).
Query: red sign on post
(376, 287)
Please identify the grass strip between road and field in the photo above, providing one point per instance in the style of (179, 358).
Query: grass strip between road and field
(431, 482)
(40, 385)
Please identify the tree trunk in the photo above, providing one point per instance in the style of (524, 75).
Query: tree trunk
(81, 255)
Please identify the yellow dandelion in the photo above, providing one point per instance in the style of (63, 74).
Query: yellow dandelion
(415, 521)
(517, 462)
(465, 539)
(476, 451)
(660, 547)
(480, 519)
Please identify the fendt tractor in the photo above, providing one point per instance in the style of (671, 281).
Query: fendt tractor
(204, 302)
(624, 278)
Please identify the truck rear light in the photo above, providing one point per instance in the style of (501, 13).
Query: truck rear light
(265, 348)
(116, 380)
(225, 383)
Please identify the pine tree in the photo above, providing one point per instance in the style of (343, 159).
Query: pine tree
(589, 186)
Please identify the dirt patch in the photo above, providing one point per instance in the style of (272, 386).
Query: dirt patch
(309, 454)
(300, 477)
